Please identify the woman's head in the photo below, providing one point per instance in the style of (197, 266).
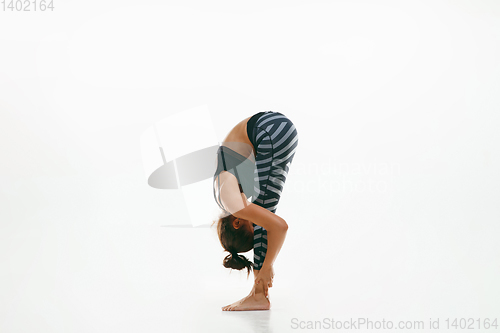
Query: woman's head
(235, 235)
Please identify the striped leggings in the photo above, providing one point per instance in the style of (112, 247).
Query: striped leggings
(276, 140)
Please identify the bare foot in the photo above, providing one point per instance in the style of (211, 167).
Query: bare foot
(227, 307)
(249, 303)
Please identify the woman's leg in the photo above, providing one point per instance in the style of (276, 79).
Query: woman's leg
(277, 139)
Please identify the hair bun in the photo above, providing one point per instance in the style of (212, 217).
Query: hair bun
(236, 261)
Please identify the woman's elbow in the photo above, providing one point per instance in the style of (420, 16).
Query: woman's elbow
(284, 226)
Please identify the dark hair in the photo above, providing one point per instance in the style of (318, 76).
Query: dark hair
(234, 241)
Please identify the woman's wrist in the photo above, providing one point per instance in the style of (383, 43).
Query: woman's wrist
(266, 267)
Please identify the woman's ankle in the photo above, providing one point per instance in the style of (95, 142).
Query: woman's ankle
(258, 290)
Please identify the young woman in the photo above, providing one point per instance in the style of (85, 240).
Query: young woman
(253, 161)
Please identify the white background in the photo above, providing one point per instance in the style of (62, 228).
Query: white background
(392, 200)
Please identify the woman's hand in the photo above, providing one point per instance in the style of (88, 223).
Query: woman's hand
(265, 278)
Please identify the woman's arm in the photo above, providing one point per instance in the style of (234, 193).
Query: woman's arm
(237, 204)
(276, 233)
(276, 229)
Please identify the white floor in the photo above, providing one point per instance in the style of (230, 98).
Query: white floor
(171, 279)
